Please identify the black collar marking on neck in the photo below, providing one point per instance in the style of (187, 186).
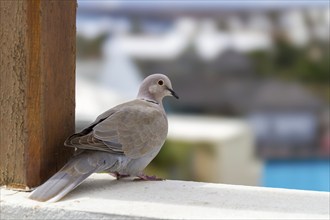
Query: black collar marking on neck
(151, 101)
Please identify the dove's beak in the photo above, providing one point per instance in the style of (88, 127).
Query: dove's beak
(173, 93)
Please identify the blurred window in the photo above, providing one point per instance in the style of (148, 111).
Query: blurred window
(284, 128)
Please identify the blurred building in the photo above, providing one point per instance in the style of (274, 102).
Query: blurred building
(286, 119)
(210, 149)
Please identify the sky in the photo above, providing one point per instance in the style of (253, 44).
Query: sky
(200, 4)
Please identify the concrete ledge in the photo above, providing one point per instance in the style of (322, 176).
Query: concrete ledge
(102, 197)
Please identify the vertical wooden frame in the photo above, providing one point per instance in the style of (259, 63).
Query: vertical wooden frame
(37, 93)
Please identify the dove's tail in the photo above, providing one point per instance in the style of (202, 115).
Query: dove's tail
(66, 179)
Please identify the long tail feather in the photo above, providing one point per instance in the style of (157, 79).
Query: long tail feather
(70, 176)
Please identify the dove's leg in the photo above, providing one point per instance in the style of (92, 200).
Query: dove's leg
(147, 178)
(119, 176)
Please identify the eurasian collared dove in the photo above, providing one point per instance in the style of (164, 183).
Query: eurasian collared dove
(121, 141)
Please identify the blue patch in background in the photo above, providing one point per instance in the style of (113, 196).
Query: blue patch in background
(311, 174)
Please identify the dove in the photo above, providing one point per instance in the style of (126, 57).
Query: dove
(121, 141)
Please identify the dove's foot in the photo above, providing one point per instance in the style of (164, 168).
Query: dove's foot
(148, 178)
(119, 176)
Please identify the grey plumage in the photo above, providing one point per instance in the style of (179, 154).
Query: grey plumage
(122, 140)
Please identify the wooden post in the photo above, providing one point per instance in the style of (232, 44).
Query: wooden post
(37, 67)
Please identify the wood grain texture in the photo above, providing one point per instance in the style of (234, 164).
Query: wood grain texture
(37, 95)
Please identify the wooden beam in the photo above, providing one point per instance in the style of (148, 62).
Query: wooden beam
(37, 93)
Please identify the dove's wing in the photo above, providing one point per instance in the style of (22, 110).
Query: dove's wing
(132, 129)
(86, 140)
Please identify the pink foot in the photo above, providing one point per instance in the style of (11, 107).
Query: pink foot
(148, 178)
(118, 175)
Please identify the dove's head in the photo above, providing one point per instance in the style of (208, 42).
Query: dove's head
(155, 87)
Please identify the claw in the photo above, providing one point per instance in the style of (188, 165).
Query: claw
(148, 178)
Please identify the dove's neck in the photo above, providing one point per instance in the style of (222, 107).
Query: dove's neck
(150, 98)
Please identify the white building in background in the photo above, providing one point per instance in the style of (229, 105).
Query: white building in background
(320, 20)
(159, 47)
(211, 42)
(208, 40)
(232, 160)
(259, 22)
(295, 27)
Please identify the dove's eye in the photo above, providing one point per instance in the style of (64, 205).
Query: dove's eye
(160, 82)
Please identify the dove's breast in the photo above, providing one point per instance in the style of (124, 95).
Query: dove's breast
(150, 131)
(143, 129)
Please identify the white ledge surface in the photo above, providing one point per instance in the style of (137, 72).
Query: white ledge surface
(102, 197)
